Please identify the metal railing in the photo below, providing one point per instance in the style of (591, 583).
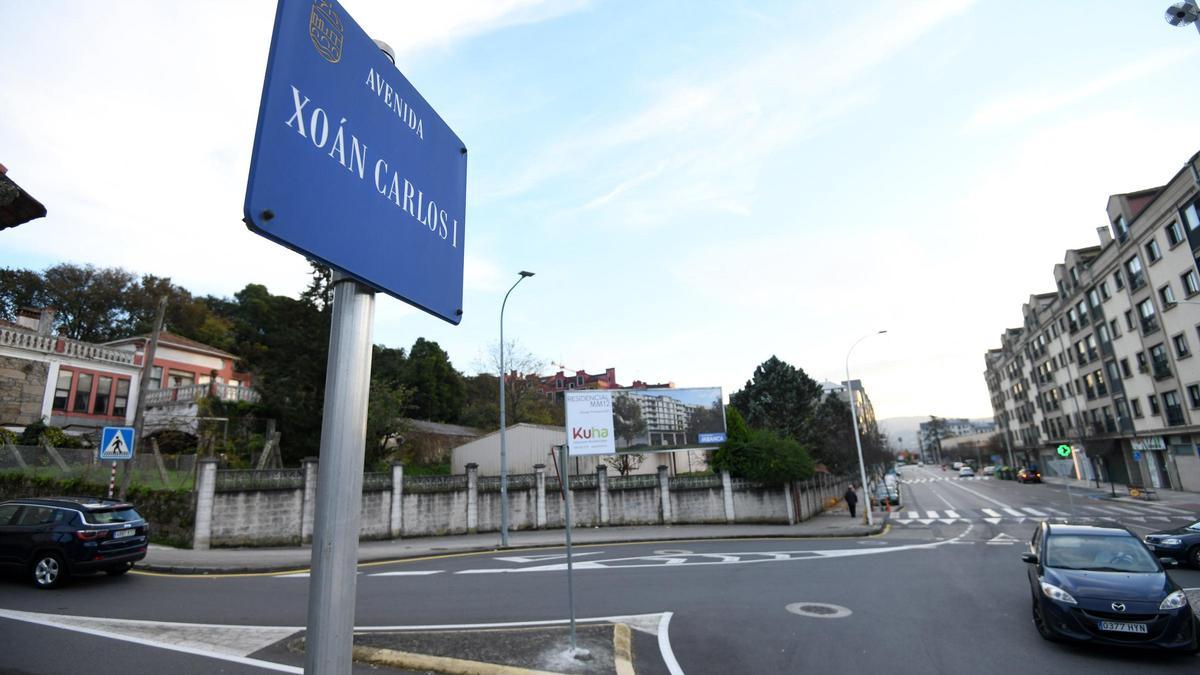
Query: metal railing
(377, 481)
(46, 344)
(416, 484)
(693, 482)
(520, 481)
(634, 482)
(231, 480)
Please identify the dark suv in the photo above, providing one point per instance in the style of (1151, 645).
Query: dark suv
(54, 537)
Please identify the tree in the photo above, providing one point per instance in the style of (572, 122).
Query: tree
(780, 397)
(524, 400)
(386, 421)
(628, 422)
(625, 463)
(438, 390)
(481, 404)
(831, 435)
(766, 456)
(91, 302)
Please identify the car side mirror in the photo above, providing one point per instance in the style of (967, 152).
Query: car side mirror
(1169, 562)
(1029, 558)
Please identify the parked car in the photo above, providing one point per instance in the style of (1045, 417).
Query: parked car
(886, 493)
(989, 470)
(1029, 476)
(53, 538)
(1099, 584)
(1181, 543)
(966, 472)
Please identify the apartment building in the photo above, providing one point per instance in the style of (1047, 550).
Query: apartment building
(1104, 362)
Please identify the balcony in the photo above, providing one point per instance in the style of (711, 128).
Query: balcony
(1136, 281)
(48, 344)
(1149, 325)
(1161, 370)
(192, 393)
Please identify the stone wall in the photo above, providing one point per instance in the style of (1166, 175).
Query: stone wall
(22, 386)
(442, 505)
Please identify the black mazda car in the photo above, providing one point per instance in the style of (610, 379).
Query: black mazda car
(1181, 543)
(1099, 584)
(52, 538)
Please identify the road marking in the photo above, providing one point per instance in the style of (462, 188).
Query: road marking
(1035, 512)
(664, 645)
(944, 500)
(925, 521)
(1098, 509)
(948, 521)
(931, 514)
(990, 512)
(548, 556)
(1118, 509)
(952, 514)
(1168, 509)
(223, 642)
(993, 521)
(1002, 540)
(1013, 512)
(411, 573)
(913, 515)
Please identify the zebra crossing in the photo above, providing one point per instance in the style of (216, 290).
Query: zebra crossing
(1126, 512)
(913, 481)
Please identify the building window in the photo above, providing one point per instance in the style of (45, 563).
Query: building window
(103, 393)
(1104, 290)
(1137, 407)
(1094, 297)
(1190, 216)
(1117, 280)
(1173, 407)
(1153, 401)
(121, 400)
(1153, 253)
(1191, 283)
(1149, 318)
(1102, 333)
(1116, 332)
(180, 378)
(1125, 372)
(1181, 346)
(1143, 365)
(1129, 319)
(62, 389)
(1174, 233)
(1137, 277)
(1120, 229)
(1168, 296)
(83, 393)
(155, 378)
(1193, 391)
(1159, 361)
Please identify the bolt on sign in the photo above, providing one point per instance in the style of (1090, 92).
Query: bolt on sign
(351, 165)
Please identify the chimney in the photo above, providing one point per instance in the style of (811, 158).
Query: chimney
(1105, 235)
(28, 317)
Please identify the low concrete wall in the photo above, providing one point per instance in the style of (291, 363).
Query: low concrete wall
(440, 505)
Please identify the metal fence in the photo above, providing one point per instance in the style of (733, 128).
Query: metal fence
(176, 472)
(434, 483)
(518, 481)
(639, 481)
(694, 482)
(234, 480)
(377, 481)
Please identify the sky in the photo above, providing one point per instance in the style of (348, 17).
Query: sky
(697, 185)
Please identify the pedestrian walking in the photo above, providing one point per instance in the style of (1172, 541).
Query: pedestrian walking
(851, 498)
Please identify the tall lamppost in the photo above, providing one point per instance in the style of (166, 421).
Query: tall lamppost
(862, 467)
(503, 447)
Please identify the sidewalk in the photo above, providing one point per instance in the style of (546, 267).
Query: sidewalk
(833, 523)
(1161, 494)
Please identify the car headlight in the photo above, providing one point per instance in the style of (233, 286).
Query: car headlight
(1055, 593)
(1174, 601)
(1173, 541)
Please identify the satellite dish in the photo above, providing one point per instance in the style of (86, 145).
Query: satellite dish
(1182, 13)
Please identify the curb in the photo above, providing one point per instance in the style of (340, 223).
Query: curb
(439, 664)
(216, 569)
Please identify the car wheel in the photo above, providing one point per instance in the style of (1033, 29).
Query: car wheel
(1193, 557)
(119, 570)
(48, 571)
(1039, 622)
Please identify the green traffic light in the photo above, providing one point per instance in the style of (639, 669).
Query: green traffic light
(1064, 450)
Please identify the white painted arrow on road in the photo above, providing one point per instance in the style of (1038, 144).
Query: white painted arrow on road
(1003, 539)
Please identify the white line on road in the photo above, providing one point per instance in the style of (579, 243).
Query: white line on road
(1056, 512)
(1035, 512)
(944, 500)
(913, 515)
(1168, 509)
(408, 573)
(952, 514)
(1013, 512)
(990, 512)
(1118, 509)
(980, 495)
(931, 514)
(664, 644)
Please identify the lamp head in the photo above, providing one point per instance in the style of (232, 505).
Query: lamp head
(526, 274)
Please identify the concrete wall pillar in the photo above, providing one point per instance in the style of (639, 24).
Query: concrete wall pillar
(665, 488)
(308, 504)
(791, 505)
(539, 474)
(727, 495)
(602, 492)
(472, 497)
(206, 488)
(396, 517)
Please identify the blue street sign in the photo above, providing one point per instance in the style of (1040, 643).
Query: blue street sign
(352, 167)
(716, 437)
(1137, 456)
(116, 443)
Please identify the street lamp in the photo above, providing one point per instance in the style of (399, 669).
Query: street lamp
(862, 467)
(503, 447)
(1183, 13)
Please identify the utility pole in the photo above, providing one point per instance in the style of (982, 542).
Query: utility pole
(139, 415)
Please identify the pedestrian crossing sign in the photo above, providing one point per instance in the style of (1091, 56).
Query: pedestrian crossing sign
(116, 443)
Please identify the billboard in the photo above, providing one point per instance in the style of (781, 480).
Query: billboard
(607, 422)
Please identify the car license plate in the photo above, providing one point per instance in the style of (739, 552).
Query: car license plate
(1119, 627)
(121, 534)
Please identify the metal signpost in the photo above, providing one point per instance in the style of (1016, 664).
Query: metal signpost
(116, 444)
(352, 168)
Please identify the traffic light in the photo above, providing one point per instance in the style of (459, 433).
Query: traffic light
(1064, 450)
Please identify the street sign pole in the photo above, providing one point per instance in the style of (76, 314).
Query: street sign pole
(566, 492)
(330, 635)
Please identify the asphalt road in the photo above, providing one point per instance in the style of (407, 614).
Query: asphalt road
(943, 591)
